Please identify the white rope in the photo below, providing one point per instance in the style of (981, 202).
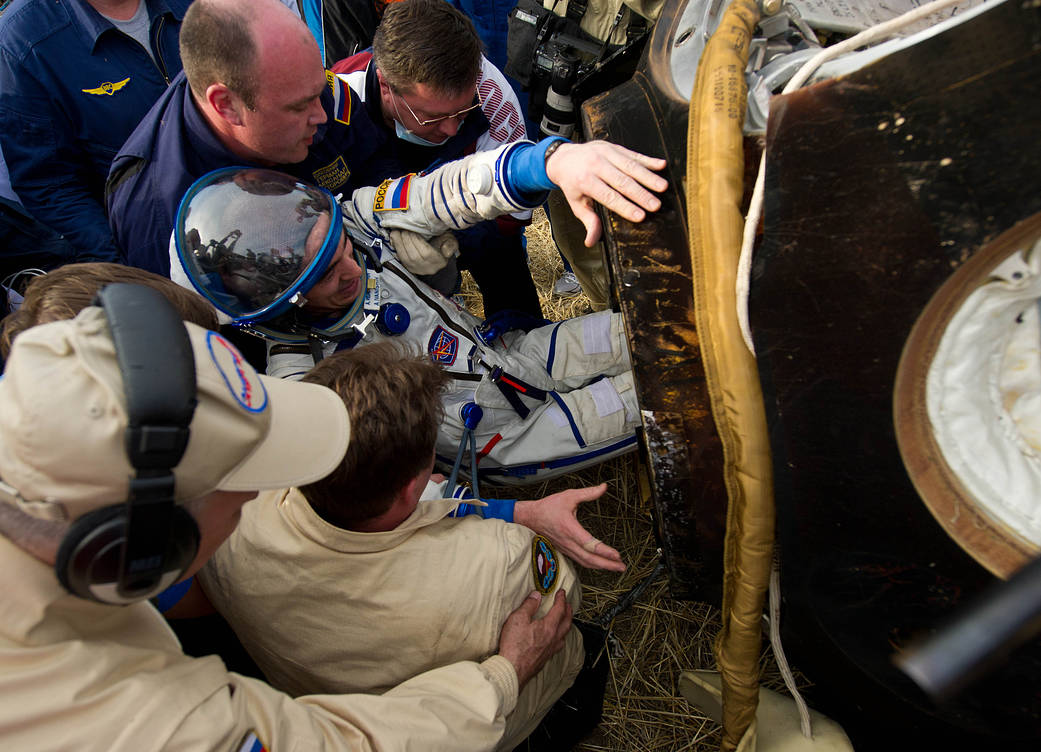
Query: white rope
(755, 208)
(778, 648)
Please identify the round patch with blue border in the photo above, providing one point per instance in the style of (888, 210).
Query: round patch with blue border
(544, 564)
(241, 379)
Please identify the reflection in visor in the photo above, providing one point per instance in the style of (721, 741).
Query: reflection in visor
(251, 240)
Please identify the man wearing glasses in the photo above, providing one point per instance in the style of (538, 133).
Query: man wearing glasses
(436, 98)
(254, 93)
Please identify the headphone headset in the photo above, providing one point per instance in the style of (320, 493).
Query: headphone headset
(131, 551)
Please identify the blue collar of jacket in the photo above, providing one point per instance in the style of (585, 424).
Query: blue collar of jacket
(205, 144)
(94, 24)
(211, 153)
(373, 100)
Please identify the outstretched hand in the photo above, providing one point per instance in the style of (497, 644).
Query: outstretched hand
(527, 642)
(616, 177)
(556, 517)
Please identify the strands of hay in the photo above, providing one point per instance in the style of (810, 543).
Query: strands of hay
(658, 637)
(655, 639)
(546, 268)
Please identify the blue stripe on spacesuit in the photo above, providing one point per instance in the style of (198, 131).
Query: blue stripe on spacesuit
(461, 191)
(504, 185)
(444, 200)
(570, 418)
(463, 510)
(502, 178)
(521, 470)
(432, 202)
(552, 349)
(360, 214)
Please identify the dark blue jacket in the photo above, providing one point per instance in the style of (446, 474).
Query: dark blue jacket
(174, 146)
(400, 157)
(72, 88)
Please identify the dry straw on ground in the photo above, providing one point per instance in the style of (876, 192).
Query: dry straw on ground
(658, 637)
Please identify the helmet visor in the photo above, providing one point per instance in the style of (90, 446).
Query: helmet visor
(251, 240)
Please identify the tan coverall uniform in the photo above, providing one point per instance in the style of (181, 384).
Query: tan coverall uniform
(77, 675)
(325, 609)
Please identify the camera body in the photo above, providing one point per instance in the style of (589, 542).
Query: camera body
(561, 65)
(559, 61)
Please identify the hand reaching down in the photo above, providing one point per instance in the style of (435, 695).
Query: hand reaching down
(527, 642)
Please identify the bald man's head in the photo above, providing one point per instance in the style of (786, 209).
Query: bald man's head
(256, 76)
(219, 42)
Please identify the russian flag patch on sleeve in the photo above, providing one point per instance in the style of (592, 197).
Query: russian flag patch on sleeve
(251, 744)
(392, 195)
(341, 97)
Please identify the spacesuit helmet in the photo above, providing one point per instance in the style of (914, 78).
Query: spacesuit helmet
(253, 241)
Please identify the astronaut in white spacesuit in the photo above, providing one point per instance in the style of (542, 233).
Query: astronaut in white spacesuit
(274, 255)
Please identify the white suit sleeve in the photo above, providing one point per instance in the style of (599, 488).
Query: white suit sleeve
(452, 197)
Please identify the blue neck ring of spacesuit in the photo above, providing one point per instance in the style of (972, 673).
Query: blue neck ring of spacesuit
(253, 241)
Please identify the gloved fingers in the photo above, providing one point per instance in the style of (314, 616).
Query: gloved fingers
(447, 243)
(417, 253)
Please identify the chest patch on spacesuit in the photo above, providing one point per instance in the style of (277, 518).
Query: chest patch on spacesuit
(372, 293)
(443, 347)
(544, 565)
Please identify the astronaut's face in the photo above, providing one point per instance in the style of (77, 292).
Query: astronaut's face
(341, 284)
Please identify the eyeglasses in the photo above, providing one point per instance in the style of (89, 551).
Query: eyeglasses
(462, 113)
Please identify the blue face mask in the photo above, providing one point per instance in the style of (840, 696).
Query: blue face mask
(406, 135)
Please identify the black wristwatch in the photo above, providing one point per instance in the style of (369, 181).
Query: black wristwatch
(552, 148)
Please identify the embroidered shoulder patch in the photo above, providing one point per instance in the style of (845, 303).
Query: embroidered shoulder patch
(341, 97)
(251, 744)
(443, 347)
(108, 88)
(392, 195)
(544, 566)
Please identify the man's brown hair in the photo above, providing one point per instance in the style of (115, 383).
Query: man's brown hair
(64, 292)
(394, 402)
(217, 46)
(427, 42)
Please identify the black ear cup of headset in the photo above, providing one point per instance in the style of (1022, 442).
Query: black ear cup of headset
(91, 555)
(134, 550)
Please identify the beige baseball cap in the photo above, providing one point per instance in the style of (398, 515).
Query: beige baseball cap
(63, 418)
